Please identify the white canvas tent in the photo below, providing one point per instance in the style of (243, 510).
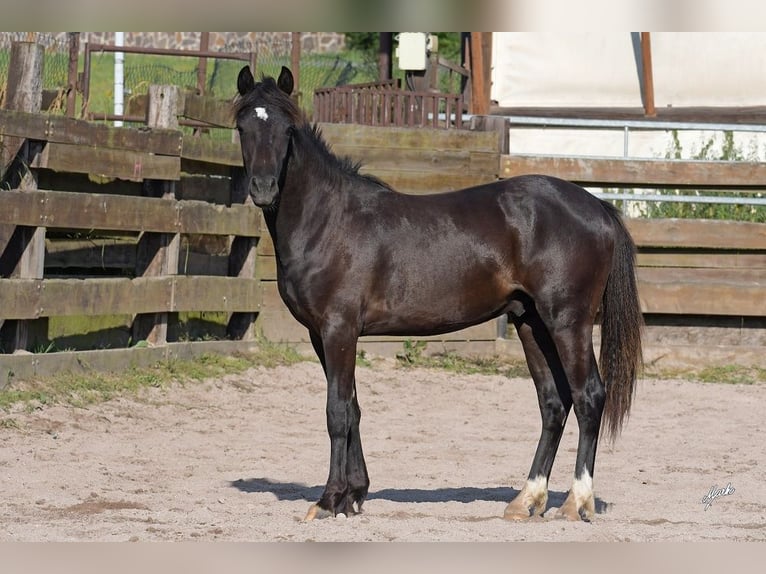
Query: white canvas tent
(603, 70)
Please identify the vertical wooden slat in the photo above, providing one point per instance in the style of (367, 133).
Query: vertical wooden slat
(204, 46)
(242, 262)
(74, 53)
(295, 64)
(479, 79)
(158, 253)
(648, 75)
(23, 254)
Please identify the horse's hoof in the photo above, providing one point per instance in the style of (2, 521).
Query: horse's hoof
(517, 512)
(316, 512)
(571, 513)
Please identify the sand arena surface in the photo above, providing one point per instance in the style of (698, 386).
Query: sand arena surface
(241, 458)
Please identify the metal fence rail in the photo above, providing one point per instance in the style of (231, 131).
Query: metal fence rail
(628, 126)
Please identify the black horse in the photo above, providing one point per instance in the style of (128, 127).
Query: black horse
(354, 257)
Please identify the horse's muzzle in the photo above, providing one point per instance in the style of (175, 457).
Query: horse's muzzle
(263, 190)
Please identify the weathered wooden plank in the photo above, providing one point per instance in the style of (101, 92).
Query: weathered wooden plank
(751, 277)
(106, 162)
(215, 112)
(266, 267)
(640, 172)
(127, 213)
(211, 151)
(715, 234)
(410, 159)
(417, 138)
(702, 258)
(26, 254)
(428, 182)
(211, 219)
(65, 130)
(738, 292)
(34, 298)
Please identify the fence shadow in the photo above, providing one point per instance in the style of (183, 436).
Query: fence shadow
(293, 491)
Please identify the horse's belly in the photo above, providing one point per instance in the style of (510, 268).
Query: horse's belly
(432, 306)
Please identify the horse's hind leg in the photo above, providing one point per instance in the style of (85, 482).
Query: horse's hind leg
(555, 401)
(588, 396)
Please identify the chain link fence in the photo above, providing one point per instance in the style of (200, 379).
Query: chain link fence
(317, 68)
(56, 58)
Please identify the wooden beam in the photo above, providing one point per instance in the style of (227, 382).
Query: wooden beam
(74, 53)
(204, 46)
(640, 172)
(211, 151)
(24, 255)
(480, 79)
(108, 163)
(295, 63)
(697, 233)
(385, 55)
(60, 209)
(215, 112)
(64, 130)
(35, 298)
(739, 292)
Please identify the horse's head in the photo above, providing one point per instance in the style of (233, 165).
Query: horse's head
(266, 119)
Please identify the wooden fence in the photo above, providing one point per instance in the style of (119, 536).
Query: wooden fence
(153, 224)
(385, 104)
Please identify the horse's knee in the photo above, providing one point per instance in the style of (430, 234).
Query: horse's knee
(554, 415)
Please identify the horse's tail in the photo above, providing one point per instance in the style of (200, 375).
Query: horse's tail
(621, 325)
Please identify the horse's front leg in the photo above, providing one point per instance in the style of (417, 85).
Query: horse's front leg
(347, 482)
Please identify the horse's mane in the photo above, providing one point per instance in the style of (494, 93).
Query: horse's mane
(267, 92)
(343, 163)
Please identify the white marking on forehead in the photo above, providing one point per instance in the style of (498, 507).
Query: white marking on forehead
(261, 113)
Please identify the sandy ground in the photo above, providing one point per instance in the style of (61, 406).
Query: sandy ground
(243, 457)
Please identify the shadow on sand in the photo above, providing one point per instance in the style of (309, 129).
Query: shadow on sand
(297, 491)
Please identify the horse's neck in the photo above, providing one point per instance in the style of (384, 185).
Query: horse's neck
(305, 206)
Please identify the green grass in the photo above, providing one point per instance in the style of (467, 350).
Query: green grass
(720, 374)
(317, 70)
(80, 390)
(413, 355)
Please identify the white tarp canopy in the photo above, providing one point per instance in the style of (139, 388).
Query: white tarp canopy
(604, 69)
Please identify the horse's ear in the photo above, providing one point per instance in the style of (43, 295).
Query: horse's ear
(285, 81)
(245, 81)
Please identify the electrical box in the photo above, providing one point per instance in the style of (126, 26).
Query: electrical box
(412, 50)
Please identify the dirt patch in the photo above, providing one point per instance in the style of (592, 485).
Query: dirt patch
(243, 457)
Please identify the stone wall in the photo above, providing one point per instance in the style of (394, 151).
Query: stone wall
(323, 42)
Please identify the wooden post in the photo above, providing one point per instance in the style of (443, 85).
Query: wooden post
(647, 74)
(74, 54)
(385, 50)
(158, 253)
(204, 46)
(295, 64)
(481, 52)
(501, 127)
(242, 261)
(22, 248)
